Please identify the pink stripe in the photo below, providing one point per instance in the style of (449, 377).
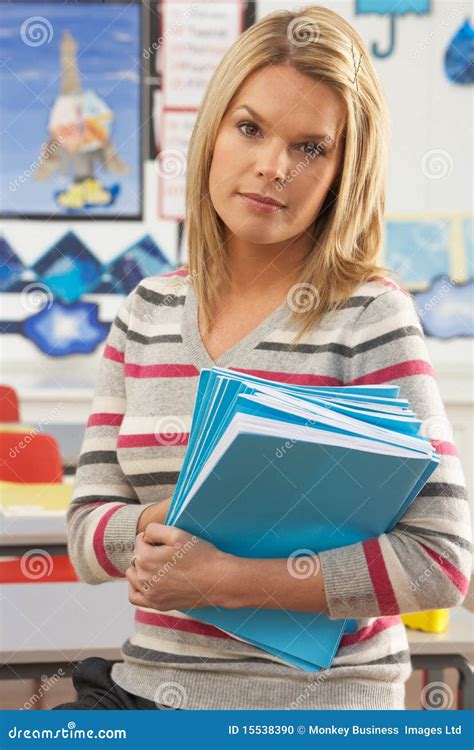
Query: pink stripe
(105, 418)
(380, 624)
(386, 598)
(401, 370)
(179, 272)
(111, 353)
(176, 623)
(444, 447)
(293, 378)
(144, 441)
(98, 543)
(160, 371)
(392, 284)
(450, 571)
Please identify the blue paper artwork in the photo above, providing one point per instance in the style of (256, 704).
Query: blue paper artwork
(59, 330)
(142, 259)
(468, 236)
(11, 267)
(392, 9)
(69, 269)
(70, 99)
(446, 308)
(417, 248)
(459, 57)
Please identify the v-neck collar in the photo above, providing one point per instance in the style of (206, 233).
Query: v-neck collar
(192, 340)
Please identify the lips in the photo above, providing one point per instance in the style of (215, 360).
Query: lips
(264, 199)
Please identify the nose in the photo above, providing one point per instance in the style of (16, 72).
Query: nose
(272, 160)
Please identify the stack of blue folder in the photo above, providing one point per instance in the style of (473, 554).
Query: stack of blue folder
(272, 469)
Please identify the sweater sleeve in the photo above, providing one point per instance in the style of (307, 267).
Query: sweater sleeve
(425, 561)
(104, 510)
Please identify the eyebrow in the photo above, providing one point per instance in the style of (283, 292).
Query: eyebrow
(313, 138)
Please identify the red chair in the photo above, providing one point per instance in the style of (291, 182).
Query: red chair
(29, 457)
(9, 408)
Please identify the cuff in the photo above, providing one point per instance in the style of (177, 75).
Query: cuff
(347, 583)
(119, 538)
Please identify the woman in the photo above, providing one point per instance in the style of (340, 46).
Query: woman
(285, 200)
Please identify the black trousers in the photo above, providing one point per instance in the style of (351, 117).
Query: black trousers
(97, 691)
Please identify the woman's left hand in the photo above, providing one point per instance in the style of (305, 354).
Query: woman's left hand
(184, 572)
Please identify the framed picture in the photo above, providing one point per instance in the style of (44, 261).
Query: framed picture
(71, 102)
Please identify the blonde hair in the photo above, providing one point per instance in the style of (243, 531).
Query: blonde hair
(318, 43)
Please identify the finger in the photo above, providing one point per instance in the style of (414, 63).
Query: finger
(135, 597)
(169, 535)
(149, 556)
(132, 577)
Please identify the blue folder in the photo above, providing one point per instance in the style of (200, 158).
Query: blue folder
(258, 500)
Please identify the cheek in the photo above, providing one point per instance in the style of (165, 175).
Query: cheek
(310, 188)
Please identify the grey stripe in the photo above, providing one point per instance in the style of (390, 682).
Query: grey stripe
(162, 656)
(103, 498)
(155, 298)
(344, 351)
(459, 540)
(357, 301)
(168, 338)
(443, 489)
(400, 657)
(120, 324)
(98, 457)
(157, 477)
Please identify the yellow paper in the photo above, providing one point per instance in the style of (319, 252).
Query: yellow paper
(40, 495)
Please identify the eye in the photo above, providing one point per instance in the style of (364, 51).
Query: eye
(312, 149)
(247, 124)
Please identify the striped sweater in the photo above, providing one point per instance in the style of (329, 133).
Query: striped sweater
(132, 453)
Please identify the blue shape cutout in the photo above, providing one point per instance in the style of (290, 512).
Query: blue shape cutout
(11, 266)
(59, 330)
(418, 250)
(142, 259)
(459, 57)
(68, 268)
(391, 8)
(445, 309)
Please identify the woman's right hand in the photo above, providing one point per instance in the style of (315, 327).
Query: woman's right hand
(153, 513)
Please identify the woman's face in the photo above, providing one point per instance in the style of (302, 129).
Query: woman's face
(281, 124)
